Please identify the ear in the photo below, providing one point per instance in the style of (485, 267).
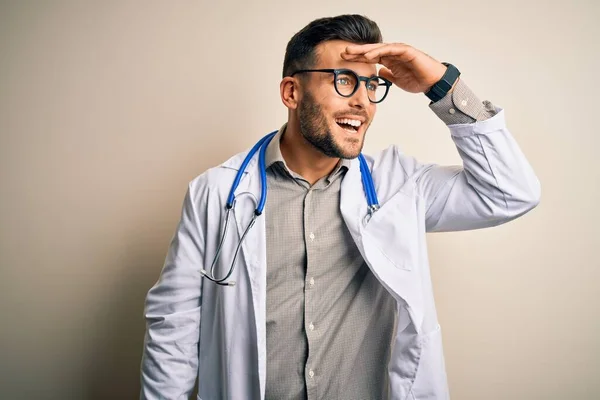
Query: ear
(289, 90)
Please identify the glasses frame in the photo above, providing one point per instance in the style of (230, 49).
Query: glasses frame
(359, 78)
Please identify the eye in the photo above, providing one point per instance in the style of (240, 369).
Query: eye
(344, 81)
(372, 85)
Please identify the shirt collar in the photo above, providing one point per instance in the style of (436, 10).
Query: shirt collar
(273, 153)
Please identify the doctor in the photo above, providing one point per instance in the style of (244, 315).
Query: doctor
(332, 298)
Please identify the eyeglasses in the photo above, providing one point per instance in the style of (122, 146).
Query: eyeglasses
(346, 83)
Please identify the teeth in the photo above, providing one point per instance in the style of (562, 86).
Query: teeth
(355, 123)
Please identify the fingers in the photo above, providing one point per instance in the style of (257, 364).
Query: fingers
(399, 51)
(362, 48)
(372, 53)
(356, 52)
(360, 58)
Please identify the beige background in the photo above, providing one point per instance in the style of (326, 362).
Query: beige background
(108, 109)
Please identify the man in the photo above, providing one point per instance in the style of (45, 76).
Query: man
(333, 298)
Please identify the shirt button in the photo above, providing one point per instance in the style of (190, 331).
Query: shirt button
(464, 102)
(452, 111)
(311, 373)
(311, 327)
(311, 282)
(312, 236)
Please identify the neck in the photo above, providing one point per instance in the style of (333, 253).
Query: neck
(303, 158)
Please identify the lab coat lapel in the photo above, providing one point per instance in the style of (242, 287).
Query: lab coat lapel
(373, 235)
(253, 255)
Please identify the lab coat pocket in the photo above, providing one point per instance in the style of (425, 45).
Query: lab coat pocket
(394, 229)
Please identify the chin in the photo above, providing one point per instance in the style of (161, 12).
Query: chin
(348, 150)
(349, 144)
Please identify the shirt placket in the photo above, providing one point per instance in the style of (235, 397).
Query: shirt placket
(311, 372)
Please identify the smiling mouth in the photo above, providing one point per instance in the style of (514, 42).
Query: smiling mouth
(349, 125)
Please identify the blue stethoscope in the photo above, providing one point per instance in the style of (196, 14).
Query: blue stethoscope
(261, 147)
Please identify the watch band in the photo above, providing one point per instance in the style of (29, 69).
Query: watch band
(443, 86)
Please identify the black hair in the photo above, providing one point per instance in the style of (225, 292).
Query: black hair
(300, 51)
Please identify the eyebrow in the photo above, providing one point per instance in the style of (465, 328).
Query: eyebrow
(371, 76)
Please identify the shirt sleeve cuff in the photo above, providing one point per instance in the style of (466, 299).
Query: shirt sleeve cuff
(461, 106)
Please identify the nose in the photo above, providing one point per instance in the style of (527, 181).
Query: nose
(360, 99)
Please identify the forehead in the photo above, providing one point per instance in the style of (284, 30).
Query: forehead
(329, 56)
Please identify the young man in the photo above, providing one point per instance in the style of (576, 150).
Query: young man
(333, 296)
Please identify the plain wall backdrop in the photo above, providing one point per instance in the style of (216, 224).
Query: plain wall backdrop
(108, 109)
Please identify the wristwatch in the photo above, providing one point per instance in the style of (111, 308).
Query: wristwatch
(443, 86)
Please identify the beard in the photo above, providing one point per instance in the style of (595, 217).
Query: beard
(314, 128)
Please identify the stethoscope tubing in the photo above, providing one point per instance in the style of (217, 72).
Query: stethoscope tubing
(368, 185)
(261, 147)
(240, 173)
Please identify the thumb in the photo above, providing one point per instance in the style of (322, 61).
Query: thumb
(386, 73)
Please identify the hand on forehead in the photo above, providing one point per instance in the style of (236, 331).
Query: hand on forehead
(330, 55)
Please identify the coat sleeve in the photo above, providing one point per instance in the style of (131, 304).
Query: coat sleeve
(494, 185)
(172, 311)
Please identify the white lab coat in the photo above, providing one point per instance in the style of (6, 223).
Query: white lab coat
(217, 334)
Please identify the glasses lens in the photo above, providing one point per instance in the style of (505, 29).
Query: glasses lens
(377, 89)
(345, 83)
